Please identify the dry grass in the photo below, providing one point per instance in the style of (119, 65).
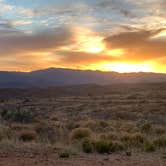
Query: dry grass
(119, 118)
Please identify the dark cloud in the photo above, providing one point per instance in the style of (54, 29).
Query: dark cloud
(17, 42)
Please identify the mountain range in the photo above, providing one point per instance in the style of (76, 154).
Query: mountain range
(64, 77)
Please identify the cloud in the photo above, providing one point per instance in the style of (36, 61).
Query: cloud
(83, 58)
(20, 22)
(20, 42)
(139, 45)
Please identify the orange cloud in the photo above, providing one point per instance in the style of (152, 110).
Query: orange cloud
(80, 47)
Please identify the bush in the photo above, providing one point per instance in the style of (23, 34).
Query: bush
(5, 132)
(126, 140)
(118, 146)
(46, 132)
(160, 142)
(72, 125)
(103, 124)
(103, 146)
(64, 155)
(22, 116)
(160, 131)
(27, 136)
(80, 133)
(149, 147)
(135, 140)
(144, 126)
(87, 146)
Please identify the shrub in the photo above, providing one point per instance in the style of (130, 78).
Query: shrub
(72, 125)
(103, 124)
(160, 142)
(149, 147)
(126, 140)
(22, 116)
(104, 146)
(160, 131)
(135, 140)
(64, 155)
(87, 146)
(4, 132)
(144, 126)
(27, 136)
(118, 146)
(46, 132)
(80, 133)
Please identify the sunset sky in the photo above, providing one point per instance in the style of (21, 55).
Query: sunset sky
(107, 35)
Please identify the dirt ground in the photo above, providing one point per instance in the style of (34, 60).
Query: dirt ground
(48, 159)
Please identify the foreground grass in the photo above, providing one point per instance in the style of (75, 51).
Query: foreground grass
(112, 123)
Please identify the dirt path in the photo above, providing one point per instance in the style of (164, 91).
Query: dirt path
(44, 159)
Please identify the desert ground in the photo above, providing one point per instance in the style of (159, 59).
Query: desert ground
(85, 125)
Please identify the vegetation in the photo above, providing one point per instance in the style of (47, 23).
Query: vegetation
(111, 123)
(103, 146)
(80, 133)
(64, 155)
(22, 116)
(87, 146)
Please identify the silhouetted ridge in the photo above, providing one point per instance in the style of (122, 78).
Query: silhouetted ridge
(62, 77)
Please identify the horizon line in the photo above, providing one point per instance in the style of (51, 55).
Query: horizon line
(103, 71)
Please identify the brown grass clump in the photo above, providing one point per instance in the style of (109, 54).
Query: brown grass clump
(159, 130)
(144, 126)
(133, 140)
(27, 136)
(5, 132)
(160, 142)
(46, 132)
(80, 133)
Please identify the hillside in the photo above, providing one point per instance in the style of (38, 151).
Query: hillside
(56, 77)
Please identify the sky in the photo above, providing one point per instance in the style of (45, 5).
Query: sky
(107, 35)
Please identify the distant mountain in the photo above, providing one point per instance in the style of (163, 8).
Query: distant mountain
(62, 77)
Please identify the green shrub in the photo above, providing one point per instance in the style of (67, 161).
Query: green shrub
(160, 142)
(104, 146)
(22, 116)
(87, 146)
(80, 133)
(149, 147)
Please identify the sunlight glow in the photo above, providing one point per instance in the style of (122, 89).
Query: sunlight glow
(92, 44)
(126, 67)
(115, 52)
(88, 41)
